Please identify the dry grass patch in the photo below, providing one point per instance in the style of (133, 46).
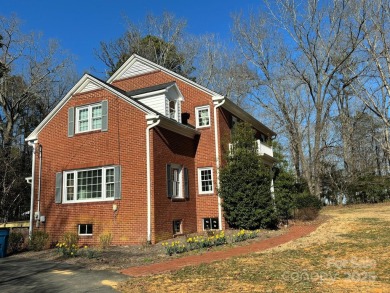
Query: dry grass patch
(348, 253)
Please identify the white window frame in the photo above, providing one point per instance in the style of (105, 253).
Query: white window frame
(181, 181)
(200, 180)
(211, 223)
(75, 177)
(84, 234)
(197, 110)
(180, 228)
(89, 107)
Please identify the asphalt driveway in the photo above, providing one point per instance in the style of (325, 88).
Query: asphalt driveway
(31, 275)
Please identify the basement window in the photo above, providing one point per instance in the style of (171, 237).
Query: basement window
(85, 229)
(210, 224)
(177, 227)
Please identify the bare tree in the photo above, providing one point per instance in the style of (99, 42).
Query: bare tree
(298, 48)
(373, 87)
(159, 39)
(33, 79)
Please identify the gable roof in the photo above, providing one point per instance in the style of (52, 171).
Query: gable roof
(89, 83)
(137, 65)
(86, 83)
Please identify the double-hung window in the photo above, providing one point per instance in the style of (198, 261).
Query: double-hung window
(202, 115)
(177, 181)
(205, 180)
(96, 184)
(89, 118)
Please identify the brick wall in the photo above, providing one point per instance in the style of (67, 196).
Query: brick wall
(123, 144)
(206, 205)
(172, 148)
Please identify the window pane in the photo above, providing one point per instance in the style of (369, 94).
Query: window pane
(97, 112)
(83, 114)
(83, 125)
(204, 117)
(206, 180)
(97, 117)
(175, 182)
(69, 186)
(89, 184)
(172, 109)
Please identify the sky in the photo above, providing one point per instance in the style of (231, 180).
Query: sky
(81, 25)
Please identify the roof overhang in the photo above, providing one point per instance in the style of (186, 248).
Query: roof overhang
(169, 90)
(81, 84)
(172, 125)
(134, 58)
(243, 115)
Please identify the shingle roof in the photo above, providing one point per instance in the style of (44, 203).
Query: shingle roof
(150, 89)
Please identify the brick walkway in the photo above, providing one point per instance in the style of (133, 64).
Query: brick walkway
(175, 264)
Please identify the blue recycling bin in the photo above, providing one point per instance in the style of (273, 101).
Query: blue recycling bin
(4, 234)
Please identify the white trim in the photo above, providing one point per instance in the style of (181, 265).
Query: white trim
(30, 228)
(75, 178)
(217, 103)
(86, 234)
(181, 181)
(197, 110)
(152, 121)
(90, 118)
(200, 180)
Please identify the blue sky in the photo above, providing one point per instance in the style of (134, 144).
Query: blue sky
(81, 25)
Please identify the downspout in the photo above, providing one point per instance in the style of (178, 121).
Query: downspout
(218, 102)
(32, 189)
(152, 121)
(39, 185)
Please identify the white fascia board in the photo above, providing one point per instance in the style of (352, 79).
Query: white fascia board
(136, 57)
(75, 89)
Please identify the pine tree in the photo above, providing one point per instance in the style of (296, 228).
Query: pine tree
(245, 184)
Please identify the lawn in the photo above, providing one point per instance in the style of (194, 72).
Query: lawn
(348, 253)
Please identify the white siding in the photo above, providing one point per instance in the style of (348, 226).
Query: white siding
(90, 86)
(157, 103)
(137, 68)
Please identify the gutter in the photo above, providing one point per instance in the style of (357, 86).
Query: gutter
(152, 121)
(32, 144)
(218, 102)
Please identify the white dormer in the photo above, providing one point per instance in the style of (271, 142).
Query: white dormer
(164, 98)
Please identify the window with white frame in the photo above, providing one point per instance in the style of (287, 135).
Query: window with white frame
(89, 185)
(85, 229)
(177, 181)
(177, 227)
(205, 180)
(210, 224)
(89, 118)
(202, 116)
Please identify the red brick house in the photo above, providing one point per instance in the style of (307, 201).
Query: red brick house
(136, 156)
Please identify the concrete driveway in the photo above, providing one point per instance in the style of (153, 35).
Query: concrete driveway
(31, 275)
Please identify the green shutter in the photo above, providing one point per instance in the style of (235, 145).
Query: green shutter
(58, 198)
(186, 186)
(117, 185)
(104, 115)
(169, 181)
(70, 121)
